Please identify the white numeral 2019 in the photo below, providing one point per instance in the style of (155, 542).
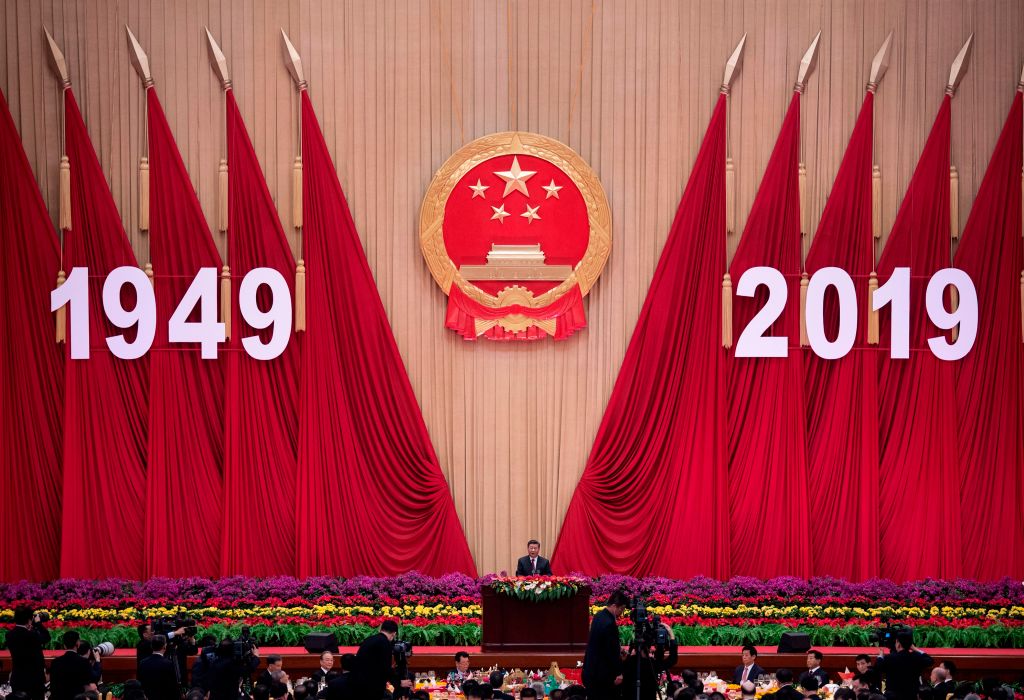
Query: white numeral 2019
(208, 332)
(895, 292)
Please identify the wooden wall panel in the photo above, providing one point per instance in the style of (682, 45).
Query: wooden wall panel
(400, 84)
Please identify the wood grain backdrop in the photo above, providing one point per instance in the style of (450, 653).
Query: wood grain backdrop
(400, 84)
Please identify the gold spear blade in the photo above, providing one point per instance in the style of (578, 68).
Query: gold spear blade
(880, 64)
(807, 64)
(293, 62)
(732, 66)
(57, 60)
(218, 61)
(959, 68)
(140, 61)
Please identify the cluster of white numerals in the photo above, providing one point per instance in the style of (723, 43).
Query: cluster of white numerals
(208, 332)
(896, 291)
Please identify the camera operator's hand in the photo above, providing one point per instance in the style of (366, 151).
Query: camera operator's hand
(179, 631)
(618, 679)
(255, 651)
(668, 628)
(406, 683)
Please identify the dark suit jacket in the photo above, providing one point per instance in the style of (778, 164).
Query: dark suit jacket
(264, 679)
(819, 674)
(524, 568)
(373, 666)
(159, 681)
(787, 692)
(755, 671)
(902, 672)
(69, 674)
(28, 670)
(943, 689)
(602, 662)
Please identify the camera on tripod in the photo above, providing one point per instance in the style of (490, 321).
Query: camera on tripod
(886, 636)
(401, 650)
(166, 625)
(244, 646)
(647, 629)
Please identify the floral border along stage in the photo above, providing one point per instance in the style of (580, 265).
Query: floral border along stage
(446, 611)
(538, 588)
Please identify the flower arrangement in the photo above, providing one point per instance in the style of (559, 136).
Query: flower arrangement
(538, 588)
(446, 610)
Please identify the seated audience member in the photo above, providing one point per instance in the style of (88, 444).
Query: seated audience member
(844, 694)
(278, 690)
(556, 694)
(950, 669)
(575, 691)
(748, 690)
(326, 664)
(814, 668)
(497, 679)
(527, 693)
(867, 682)
(942, 686)
(716, 696)
(863, 663)
(809, 687)
(786, 691)
(748, 670)
(461, 672)
(274, 663)
(924, 692)
(692, 681)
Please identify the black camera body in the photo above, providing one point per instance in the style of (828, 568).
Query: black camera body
(401, 650)
(647, 629)
(886, 636)
(166, 625)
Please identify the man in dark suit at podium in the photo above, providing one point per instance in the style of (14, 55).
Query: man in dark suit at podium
(533, 564)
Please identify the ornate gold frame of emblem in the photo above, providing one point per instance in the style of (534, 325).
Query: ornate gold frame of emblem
(469, 156)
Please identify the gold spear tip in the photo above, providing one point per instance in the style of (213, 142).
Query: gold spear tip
(218, 61)
(57, 61)
(293, 62)
(732, 66)
(807, 64)
(880, 64)
(140, 61)
(959, 68)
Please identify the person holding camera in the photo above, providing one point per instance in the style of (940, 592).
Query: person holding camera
(25, 642)
(72, 672)
(374, 664)
(902, 668)
(651, 656)
(225, 669)
(602, 662)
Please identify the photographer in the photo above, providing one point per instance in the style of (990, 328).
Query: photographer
(902, 668)
(25, 642)
(158, 674)
(653, 652)
(602, 663)
(374, 664)
(227, 664)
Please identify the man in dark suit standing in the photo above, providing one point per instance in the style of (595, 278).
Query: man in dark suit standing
(602, 662)
(69, 674)
(374, 667)
(748, 670)
(533, 564)
(902, 668)
(157, 675)
(25, 642)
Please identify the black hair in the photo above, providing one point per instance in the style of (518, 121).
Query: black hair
(784, 675)
(461, 654)
(619, 598)
(274, 659)
(536, 542)
(70, 639)
(22, 615)
(750, 648)
(949, 666)
(816, 654)
(159, 642)
(807, 682)
(389, 626)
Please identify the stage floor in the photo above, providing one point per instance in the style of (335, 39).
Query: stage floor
(972, 664)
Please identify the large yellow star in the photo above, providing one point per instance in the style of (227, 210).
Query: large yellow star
(515, 178)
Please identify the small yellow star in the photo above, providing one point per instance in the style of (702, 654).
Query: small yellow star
(552, 189)
(515, 178)
(531, 213)
(499, 214)
(478, 189)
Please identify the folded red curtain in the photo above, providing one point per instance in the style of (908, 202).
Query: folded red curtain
(31, 372)
(768, 482)
(566, 310)
(105, 414)
(919, 518)
(842, 394)
(186, 412)
(261, 404)
(648, 500)
(376, 501)
(990, 380)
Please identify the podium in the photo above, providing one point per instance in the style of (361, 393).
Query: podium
(510, 624)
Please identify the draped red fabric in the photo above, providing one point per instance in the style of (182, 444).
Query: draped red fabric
(31, 372)
(364, 448)
(990, 380)
(261, 408)
(663, 431)
(186, 410)
(105, 397)
(919, 521)
(842, 395)
(768, 489)
(463, 312)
